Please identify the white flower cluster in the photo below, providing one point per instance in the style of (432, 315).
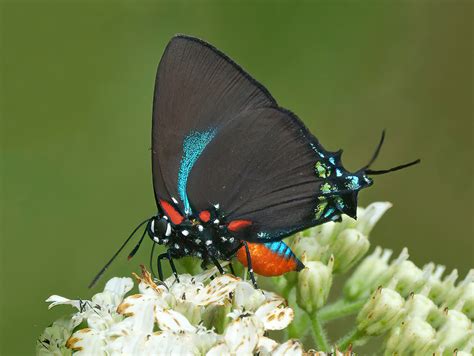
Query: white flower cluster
(416, 310)
(183, 319)
(423, 313)
(331, 248)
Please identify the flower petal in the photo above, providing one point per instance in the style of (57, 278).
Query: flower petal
(219, 350)
(266, 346)
(139, 309)
(87, 342)
(173, 321)
(243, 333)
(291, 347)
(246, 297)
(274, 315)
(216, 292)
(58, 300)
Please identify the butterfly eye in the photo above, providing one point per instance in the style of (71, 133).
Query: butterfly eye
(161, 227)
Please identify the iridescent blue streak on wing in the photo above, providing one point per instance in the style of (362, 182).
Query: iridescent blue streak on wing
(280, 248)
(193, 146)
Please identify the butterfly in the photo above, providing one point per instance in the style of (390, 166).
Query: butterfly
(233, 172)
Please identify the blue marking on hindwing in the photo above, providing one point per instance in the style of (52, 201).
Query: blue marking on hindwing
(193, 146)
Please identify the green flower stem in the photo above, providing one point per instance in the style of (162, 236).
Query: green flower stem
(319, 333)
(340, 309)
(350, 339)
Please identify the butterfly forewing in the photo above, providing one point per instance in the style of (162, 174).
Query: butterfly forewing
(219, 137)
(198, 89)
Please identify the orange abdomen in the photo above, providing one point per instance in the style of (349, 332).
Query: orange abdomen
(270, 259)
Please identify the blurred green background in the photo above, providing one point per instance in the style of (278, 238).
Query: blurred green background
(76, 93)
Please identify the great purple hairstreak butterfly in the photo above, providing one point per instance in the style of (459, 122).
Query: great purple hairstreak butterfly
(233, 172)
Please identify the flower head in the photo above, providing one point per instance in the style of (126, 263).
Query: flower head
(171, 320)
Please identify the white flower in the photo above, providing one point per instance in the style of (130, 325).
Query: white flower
(420, 306)
(441, 288)
(347, 240)
(455, 332)
(414, 336)
(368, 274)
(383, 310)
(368, 217)
(314, 284)
(348, 248)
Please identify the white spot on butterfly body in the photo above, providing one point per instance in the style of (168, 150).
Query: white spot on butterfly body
(152, 226)
(217, 206)
(216, 221)
(176, 246)
(197, 241)
(231, 240)
(156, 239)
(185, 232)
(168, 230)
(174, 200)
(208, 242)
(200, 228)
(223, 238)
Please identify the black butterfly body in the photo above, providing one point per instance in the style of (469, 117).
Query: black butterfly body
(233, 172)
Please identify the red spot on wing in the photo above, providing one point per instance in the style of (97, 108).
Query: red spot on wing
(237, 225)
(170, 211)
(205, 216)
(267, 263)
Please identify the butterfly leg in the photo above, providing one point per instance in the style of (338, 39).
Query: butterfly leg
(173, 267)
(160, 267)
(217, 264)
(231, 268)
(151, 260)
(249, 264)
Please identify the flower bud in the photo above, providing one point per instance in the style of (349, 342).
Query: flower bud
(314, 284)
(382, 312)
(415, 337)
(419, 306)
(322, 233)
(368, 217)
(463, 296)
(366, 276)
(440, 289)
(308, 246)
(455, 332)
(410, 278)
(348, 248)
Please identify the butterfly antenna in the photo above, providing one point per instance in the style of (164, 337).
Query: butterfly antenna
(397, 168)
(102, 271)
(377, 151)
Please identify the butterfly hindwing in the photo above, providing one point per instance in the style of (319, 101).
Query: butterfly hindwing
(259, 168)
